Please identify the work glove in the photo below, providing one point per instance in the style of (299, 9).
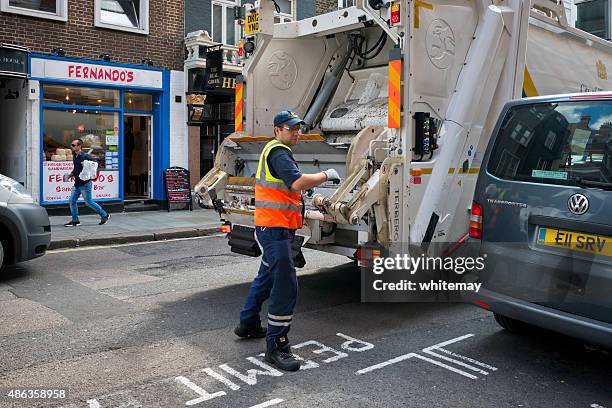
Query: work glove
(332, 175)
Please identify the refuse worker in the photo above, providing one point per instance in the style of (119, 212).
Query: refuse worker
(278, 214)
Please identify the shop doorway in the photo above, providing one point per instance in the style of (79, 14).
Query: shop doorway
(137, 136)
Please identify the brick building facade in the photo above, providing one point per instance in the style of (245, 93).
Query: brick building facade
(80, 38)
(106, 71)
(325, 6)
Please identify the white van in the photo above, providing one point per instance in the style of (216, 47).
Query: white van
(25, 230)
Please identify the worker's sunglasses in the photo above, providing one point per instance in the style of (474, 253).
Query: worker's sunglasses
(74, 145)
(296, 128)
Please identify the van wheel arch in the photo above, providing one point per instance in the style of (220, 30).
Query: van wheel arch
(510, 324)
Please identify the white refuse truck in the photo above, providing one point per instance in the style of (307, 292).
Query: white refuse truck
(400, 97)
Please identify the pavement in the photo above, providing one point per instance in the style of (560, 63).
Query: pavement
(124, 228)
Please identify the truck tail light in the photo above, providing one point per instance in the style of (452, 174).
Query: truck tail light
(226, 228)
(395, 14)
(476, 221)
(365, 255)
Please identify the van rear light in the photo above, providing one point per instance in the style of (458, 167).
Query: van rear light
(476, 221)
(226, 228)
(482, 304)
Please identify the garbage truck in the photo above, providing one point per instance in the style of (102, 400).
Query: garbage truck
(401, 98)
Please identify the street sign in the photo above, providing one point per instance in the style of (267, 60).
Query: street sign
(252, 23)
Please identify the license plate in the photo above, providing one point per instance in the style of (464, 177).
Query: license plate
(251, 23)
(575, 241)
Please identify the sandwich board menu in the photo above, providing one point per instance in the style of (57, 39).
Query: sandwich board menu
(178, 189)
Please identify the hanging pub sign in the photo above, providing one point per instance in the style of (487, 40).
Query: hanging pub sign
(214, 66)
(13, 61)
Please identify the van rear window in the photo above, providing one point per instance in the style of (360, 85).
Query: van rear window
(566, 143)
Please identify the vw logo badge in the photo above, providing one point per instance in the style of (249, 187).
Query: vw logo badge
(578, 204)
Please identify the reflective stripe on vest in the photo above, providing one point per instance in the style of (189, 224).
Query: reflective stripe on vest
(276, 205)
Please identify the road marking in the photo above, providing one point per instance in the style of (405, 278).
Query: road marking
(251, 377)
(351, 340)
(268, 403)
(204, 395)
(430, 352)
(222, 379)
(386, 363)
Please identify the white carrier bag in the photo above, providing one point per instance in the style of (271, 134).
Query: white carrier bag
(90, 170)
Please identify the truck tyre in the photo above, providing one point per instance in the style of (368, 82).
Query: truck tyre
(512, 325)
(1, 254)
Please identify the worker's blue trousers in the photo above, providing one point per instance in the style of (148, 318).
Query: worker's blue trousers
(275, 280)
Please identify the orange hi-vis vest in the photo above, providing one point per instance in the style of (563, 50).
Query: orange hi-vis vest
(276, 205)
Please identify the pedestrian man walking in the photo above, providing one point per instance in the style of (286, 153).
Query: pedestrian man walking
(82, 187)
(278, 214)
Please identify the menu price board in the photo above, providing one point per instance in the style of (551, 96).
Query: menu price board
(178, 189)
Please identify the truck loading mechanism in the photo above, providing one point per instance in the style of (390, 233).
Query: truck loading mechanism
(405, 134)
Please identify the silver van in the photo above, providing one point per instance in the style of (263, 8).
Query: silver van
(542, 216)
(25, 231)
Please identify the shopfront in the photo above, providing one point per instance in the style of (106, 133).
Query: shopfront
(120, 112)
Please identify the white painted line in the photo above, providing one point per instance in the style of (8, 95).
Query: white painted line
(453, 369)
(385, 363)
(451, 341)
(462, 364)
(471, 360)
(415, 355)
(268, 403)
(222, 379)
(204, 395)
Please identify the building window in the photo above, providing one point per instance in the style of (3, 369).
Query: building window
(594, 17)
(124, 15)
(286, 13)
(223, 23)
(51, 9)
(345, 3)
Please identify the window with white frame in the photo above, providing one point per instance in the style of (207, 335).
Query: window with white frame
(345, 3)
(286, 11)
(124, 15)
(51, 9)
(223, 24)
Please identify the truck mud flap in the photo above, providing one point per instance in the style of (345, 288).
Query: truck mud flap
(242, 241)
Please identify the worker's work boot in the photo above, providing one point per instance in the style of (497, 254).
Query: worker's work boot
(250, 331)
(281, 356)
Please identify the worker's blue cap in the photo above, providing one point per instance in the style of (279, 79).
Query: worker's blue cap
(287, 118)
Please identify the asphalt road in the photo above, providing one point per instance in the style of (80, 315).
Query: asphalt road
(150, 325)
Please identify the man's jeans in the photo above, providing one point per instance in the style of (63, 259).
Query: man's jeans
(85, 191)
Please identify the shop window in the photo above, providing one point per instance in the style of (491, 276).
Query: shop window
(223, 23)
(99, 132)
(50, 9)
(125, 15)
(138, 101)
(79, 96)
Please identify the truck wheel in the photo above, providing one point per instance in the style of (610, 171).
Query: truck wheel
(512, 325)
(1, 254)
